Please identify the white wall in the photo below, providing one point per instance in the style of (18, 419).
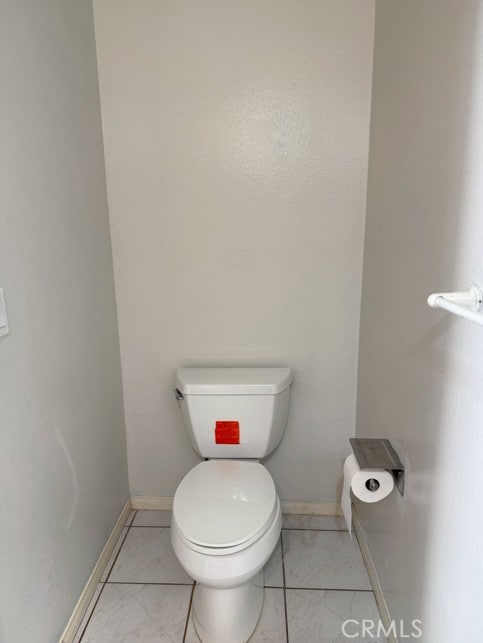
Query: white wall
(236, 139)
(420, 369)
(63, 474)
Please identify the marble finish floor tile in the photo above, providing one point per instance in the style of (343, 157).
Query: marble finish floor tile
(323, 560)
(307, 521)
(135, 613)
(115, 552)
(318, 616)
(148, 557)
(88, 613)
(147, 594)
(152, 519)
(273, 570)
(271, 626)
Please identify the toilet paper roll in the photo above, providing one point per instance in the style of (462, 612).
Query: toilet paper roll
(368, 485)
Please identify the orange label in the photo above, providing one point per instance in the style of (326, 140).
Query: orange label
(227, 432)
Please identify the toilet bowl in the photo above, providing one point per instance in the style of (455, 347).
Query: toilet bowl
(226, 518)
(225, 525)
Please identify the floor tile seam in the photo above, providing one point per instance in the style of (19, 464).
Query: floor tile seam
(119, 551)
(128, 524)
(103, 583)
(323, 589)
(151, 526)
(139, 582)
(330, 589)
(314, 529)
(284, 590)
(185, 633)
(92, 612)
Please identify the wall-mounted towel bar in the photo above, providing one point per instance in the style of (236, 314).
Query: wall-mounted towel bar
(467, 304)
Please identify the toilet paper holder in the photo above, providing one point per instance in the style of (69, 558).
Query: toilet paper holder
(373, 453)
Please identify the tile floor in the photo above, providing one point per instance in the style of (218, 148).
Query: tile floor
(314, 581)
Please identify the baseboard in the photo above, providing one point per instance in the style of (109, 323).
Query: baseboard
(313, 508)
(373, 577)
(165, 503)
(152, 503)
(94, 579)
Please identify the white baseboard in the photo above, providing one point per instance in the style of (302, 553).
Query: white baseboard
(313, 508)
(94, 579)
(165, 503)
(152, 503)
(371, 570)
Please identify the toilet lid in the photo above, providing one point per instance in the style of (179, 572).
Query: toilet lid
(223, 503)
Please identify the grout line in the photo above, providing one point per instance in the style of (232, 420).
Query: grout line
(138, 582)
(284, 589)
(92, 612)
(314, 529)
(151, 526)
(188, 615)
(130, 521)
(319, 589)
(118, 552)
(330, 589)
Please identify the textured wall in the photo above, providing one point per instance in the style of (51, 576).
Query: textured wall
(420, 369)
(63, 473)
(236, 139)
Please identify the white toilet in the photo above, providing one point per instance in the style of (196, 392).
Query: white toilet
(226, 513)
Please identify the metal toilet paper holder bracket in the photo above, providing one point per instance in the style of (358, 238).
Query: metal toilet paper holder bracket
(373, 453)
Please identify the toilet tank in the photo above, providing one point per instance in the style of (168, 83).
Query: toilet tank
(234, 412)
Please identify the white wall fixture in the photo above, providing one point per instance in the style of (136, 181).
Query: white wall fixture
(3, 315)
(467, 303)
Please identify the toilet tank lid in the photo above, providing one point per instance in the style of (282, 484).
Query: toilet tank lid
(233, 381)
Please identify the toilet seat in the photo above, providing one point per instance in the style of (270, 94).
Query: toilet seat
(223, 506)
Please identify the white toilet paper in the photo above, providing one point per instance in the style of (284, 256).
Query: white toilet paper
(358, 480)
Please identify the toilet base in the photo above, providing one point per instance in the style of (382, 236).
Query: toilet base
(222, 615)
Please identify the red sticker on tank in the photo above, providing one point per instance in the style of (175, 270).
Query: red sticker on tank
(227, 432)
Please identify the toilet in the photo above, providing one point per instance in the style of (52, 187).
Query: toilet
(226, 518)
